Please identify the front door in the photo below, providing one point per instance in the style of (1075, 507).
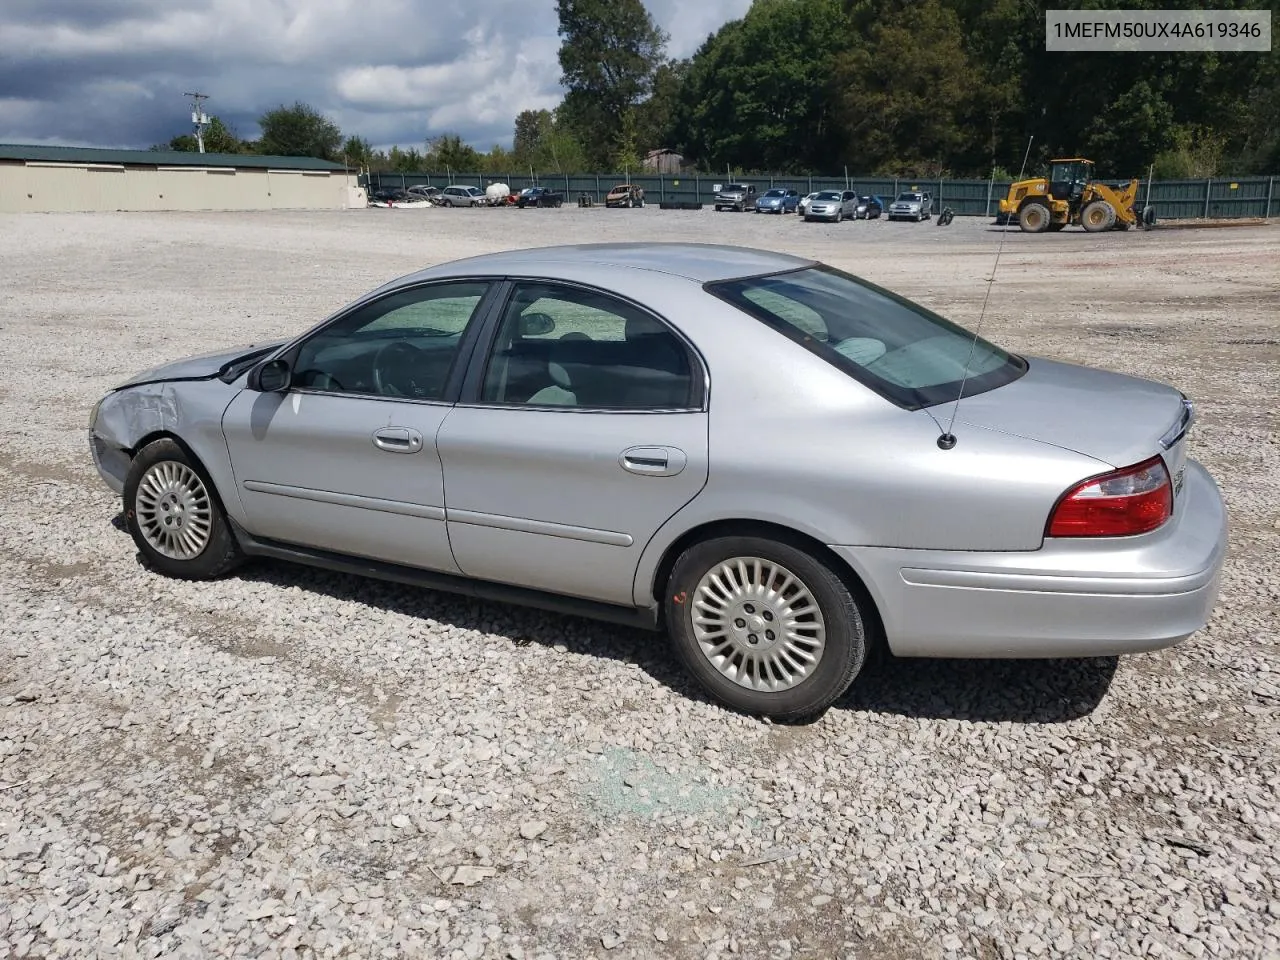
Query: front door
(587, 432)
(346, 459)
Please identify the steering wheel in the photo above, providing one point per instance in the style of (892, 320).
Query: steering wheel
(401, 357)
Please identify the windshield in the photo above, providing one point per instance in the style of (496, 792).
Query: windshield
(775, 193)
(735, 187)
(909, 197)
(828, 195)
(906, 353)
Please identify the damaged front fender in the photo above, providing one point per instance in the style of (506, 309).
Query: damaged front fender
(188, 410)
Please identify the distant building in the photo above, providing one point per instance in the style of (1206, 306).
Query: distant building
(663, 161)
(43, 179)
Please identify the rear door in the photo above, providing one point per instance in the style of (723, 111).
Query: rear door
(582, 429)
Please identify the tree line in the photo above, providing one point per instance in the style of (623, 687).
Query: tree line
(931, 88)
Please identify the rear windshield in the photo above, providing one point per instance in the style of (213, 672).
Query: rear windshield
(906, 353)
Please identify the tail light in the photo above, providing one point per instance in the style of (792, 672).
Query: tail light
(1131, 500)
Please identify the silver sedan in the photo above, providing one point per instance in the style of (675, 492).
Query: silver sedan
(744, 449)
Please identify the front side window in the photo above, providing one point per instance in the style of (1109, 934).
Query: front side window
(402, 345)
(906, 353)
(563, 346)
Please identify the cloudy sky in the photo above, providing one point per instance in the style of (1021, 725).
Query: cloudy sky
(113, 72)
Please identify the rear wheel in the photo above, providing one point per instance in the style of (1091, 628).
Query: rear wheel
(174, 515)
(764, 626)
(1034, 218)
(1097, 215)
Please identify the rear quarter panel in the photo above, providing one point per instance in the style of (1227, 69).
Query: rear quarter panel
(794, 441)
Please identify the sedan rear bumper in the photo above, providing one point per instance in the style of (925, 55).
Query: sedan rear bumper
(1071, 598)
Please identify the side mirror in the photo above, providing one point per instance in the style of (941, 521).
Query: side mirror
(536, 325)
(274, 376)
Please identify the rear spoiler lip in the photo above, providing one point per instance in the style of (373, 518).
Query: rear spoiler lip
(1180, 426)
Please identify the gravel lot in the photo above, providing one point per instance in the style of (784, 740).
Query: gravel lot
(291, 763)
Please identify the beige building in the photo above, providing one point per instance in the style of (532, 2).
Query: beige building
(46, 179)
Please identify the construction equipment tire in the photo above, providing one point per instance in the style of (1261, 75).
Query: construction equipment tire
(1034, 218)
(1097, 215)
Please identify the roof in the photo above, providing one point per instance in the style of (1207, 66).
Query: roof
(700, 262)
(166, 158)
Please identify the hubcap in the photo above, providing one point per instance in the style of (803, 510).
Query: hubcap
(173, 510)
(758, 624)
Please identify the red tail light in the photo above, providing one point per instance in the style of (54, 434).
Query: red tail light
(1132, 500)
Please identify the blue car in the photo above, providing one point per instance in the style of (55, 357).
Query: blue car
(778, 200)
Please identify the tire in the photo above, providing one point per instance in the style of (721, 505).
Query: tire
(628, 203)
(839, 215)
(166, 476)
(1097, 216)
(1034, 218)
(842, 629)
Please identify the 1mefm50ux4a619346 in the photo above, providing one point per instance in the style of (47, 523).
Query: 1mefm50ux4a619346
(731, 445)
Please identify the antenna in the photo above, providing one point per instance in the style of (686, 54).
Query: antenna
(947, 440)
(198, 117)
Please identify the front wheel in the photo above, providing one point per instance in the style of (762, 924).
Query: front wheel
(173, 513)
(764, 626)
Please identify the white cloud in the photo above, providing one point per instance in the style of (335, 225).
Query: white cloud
(393, 71)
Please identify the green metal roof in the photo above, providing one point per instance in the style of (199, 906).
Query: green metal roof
(165, 158)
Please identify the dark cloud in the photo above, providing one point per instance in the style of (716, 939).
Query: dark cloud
(113, 72)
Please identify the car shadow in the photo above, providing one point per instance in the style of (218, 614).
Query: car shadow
(988, 691)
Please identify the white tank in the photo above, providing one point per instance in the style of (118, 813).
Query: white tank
(497, 192)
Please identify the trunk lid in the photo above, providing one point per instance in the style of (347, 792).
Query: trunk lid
(1112, 417)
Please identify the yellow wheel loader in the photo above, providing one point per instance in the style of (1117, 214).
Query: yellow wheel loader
(1070, 195)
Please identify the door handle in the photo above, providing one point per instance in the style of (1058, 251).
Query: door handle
(397, 440)
(653, 461)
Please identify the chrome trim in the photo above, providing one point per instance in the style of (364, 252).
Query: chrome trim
(346, 500)
(1181, 426)
(544, 527)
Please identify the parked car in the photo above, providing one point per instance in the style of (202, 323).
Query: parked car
(455, 196)
(911, 205)
(422, 190)
(778, 200)
(803, 206)
(579, 428)
(540, 197)
(625, 195)
(735, 196)
(399, 197)
(868, 208)
(833, 205)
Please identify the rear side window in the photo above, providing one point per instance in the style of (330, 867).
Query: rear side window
(906, 353)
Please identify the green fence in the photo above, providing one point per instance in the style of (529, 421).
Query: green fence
(1172, 199)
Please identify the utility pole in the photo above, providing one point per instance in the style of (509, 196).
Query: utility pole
(198, 116)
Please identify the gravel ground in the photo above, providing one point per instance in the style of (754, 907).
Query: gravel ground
(297, 764)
